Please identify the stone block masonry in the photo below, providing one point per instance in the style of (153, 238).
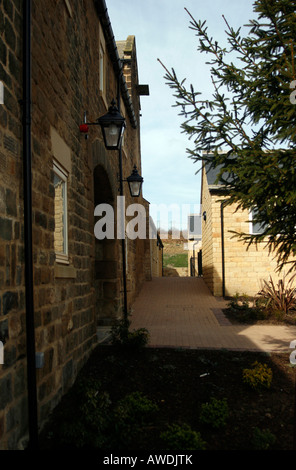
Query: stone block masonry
(65, 83)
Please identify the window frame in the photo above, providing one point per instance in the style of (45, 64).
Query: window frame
(252, 224)
(62, 257)
(102, 68)
(102, 80)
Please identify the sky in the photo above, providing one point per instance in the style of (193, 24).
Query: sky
(162, 31)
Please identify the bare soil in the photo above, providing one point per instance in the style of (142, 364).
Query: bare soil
(179, 381)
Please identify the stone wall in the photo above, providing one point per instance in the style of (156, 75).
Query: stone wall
(65, 62)
(244, 268)
(210, 250)
(13, 405)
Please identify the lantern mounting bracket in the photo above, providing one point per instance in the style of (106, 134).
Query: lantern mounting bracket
(112, 125)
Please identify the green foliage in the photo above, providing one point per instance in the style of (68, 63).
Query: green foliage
(214, 413)
(177, 261)
(122, 336)
(134, 409)
(178, 437)
(263, 439)
(240, 302)
(93, 422)
(260, 376)
(245, 309)
(248, 126)
(86, 423)
(281, 298)
(130, 414)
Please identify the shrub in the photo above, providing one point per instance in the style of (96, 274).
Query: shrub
(280, 298)
(182, 437)
(245, 308)
(263, 439)
(214, 413)
(240, 302)
(122, 336)
(259, 376)
(134, 408)
(130, 415)
(84, 425)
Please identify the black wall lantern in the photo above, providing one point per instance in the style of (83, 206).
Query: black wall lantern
(135, 182)
(113, 126)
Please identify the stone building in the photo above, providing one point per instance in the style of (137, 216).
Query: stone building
(194, 245)
(76, 67)
(229, 266)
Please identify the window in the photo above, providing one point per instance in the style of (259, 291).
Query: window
(255, 227)
(194, 226)
(102, 67)
(102, 70)
(60, 213)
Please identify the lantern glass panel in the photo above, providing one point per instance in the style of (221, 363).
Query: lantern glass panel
(135, 188)
(112, 134)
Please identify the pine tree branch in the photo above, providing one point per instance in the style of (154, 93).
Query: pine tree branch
(236, 122)
(187, 97)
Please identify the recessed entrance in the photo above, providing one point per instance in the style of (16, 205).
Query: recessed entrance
(107, 282)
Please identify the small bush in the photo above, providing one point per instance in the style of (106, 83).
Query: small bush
(214, 413)
(134, 409)
(259, 376)
(245, 309)
(85, 424)
(240, 302)
(263, 439)
(130, 415)
(122, 336)
(182, 437)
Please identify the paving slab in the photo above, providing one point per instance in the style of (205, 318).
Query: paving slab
(182, 312)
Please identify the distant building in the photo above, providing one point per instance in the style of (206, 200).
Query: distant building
(228, 265)
(194, 245)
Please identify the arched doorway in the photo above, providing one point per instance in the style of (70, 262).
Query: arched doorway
(106, 281)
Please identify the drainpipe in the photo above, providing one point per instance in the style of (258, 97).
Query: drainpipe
(123, 250)
(222, 248)
(27, 177)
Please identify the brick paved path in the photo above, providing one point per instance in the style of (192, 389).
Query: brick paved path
(181, 312)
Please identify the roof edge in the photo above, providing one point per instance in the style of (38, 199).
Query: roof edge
(103, 15)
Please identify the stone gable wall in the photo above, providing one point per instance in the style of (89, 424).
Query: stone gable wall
(245, 268)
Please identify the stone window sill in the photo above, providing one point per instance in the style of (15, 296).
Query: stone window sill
(64, 271)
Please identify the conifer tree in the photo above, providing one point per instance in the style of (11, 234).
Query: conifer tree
(248, 127)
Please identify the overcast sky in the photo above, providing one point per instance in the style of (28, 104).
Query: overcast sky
(161, 29)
